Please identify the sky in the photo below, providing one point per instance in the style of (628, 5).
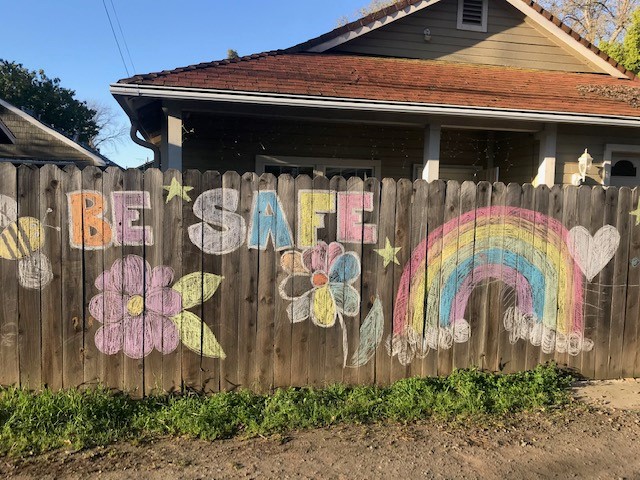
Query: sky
(72, 39)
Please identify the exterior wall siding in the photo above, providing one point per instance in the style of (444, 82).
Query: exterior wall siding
(511, 40)
(573, 139)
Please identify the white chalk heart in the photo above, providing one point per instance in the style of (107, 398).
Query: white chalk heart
(592, 253)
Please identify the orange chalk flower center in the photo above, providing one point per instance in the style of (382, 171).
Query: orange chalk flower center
(319, 279)
(135, 305)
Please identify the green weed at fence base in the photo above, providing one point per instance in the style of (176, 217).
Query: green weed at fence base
(38, 422)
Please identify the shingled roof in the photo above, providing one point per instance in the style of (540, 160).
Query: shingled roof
(406, 80)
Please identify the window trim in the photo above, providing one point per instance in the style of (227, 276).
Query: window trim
(469, 26)
(319, 164)
(5, 130)
(611, 149)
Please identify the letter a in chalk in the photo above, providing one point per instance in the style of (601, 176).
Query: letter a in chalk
(268, 220)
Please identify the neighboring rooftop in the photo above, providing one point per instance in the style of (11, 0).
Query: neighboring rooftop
(28, 140)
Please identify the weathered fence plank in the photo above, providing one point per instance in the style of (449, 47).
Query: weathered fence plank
(592, 289)
(211, 307)
(404, 191)
(496, 304)
(229, 291)
(9, 367)
(332, 338)
(326, 233)
(52, 201)
(29, 322)
(282, 323)
(371, 320)
(435, 217)
(267, 212)
(248, 286)
(449, 261)
(154, 286)
(632, 301)
(300, 329)
(385, 275)
(617, 331)
(92, 261)
(134, 329)
(112, 367)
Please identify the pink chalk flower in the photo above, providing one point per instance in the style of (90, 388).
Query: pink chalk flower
(135, 308)
(324, 291)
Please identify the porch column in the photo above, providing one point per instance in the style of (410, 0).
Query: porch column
(431, 153)
(547, 161)
(171, 152)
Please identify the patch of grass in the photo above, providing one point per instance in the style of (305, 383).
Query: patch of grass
(37, 422)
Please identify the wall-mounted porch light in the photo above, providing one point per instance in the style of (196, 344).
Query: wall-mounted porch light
(584, 164)
(427, 35)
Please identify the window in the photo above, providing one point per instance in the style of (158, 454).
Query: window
(621, 165)
(624, 171)
(623, 168)
(328, 167)
(472, 15)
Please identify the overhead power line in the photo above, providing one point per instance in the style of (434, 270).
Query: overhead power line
(115, 37)
(124, 39)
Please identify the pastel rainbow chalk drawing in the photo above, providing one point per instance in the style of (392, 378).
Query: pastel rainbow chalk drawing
(544, 264)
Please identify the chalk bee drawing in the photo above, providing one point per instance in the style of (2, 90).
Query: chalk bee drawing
(328, 294)
(140, 311)
(21, 239)
(536, 256)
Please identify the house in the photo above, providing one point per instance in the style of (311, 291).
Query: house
(26, 140)
(450, 89)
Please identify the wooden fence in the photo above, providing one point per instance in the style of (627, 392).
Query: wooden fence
(152, 281)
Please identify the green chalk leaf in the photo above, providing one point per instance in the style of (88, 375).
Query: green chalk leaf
(197, 336)
(196, 288)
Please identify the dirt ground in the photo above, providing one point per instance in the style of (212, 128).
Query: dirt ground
(599, 441)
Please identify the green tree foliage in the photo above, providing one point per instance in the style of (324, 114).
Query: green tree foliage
(627, 52)
(232, 54)
(47, 101)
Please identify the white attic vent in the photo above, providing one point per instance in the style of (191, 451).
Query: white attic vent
(472, 15)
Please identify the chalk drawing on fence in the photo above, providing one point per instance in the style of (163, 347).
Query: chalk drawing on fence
(388, 253)
(542, 282)
(140, 311)
(593, 253)
(392, 271)
(174, 189)
(371, 333)
(330, 295)
(21, 239)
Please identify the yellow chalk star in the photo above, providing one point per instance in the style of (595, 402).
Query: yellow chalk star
(388, 253)
(636, 213)
(177, 190)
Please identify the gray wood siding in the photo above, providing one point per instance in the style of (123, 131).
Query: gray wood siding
(573, 139)
(511, 40)
(33, 143)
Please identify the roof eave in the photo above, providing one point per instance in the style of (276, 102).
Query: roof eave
(359, 104)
